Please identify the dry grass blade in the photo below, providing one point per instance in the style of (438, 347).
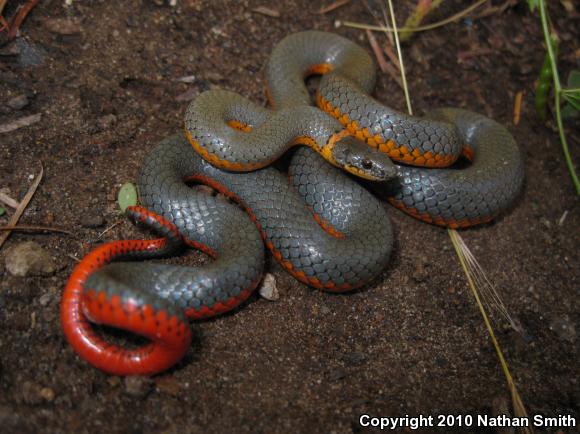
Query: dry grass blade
(400, 54)
(2, 4)
(18, 213)
(474, 273)
(519, 408)
(489, 294)
(26, 228)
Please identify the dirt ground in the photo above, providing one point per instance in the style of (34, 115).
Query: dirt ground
(412, 343)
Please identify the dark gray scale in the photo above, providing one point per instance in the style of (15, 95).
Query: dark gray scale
(479, 191)
(199, 216)
(290, 227)
(296, 54)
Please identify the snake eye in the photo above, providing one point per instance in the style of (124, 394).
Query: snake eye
(367, 164)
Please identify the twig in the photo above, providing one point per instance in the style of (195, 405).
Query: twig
(26, 228)
(73, 257)
(20, 17)
(332, 6)
(383, 64)
(108, 229)
(8, 201)
(518, 107)
(16, 216)
(441, 23)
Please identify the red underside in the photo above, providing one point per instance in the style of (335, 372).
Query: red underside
(170, 337)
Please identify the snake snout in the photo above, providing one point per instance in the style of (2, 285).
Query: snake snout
(363, 161)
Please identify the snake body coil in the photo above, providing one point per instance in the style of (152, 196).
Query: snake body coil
(324, 228)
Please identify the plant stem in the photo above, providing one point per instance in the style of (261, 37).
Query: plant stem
(557, 92)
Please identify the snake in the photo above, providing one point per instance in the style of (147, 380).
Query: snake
(319, 223)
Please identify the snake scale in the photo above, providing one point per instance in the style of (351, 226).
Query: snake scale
(319, 223)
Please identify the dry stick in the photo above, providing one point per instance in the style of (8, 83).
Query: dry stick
(518, 107)
(16, 216)
(20, 17)
(26, 228)
(383, 64)
(441, 23)
(8, 201)
(332, 6)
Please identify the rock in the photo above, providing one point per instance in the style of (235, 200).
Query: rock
(420, 273)
(47, 394)
(169, 385)
(29, 259)
(45, 299)
(92, 219)
(138, 386)
(269, 290)
(29, 55)
(18, 102)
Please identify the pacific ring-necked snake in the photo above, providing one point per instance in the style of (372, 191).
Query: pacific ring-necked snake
(323, 227)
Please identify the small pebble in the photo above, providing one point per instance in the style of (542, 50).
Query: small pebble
(45, 299)
(47, 394)
(169, 385)
(420, 273)
(138, 386)
(92, 219)
(29, 259)
(269, 290)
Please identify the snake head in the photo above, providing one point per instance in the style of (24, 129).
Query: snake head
(361, 160)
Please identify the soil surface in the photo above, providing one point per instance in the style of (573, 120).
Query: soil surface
(107, 78)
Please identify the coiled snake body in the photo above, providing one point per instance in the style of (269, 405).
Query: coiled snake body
(323, 227)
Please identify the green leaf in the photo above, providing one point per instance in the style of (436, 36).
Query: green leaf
(572, 97)
(127, 196)
(573, 79)
(533, 4)
(572, 93)
(569, 112)
(2, 211)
